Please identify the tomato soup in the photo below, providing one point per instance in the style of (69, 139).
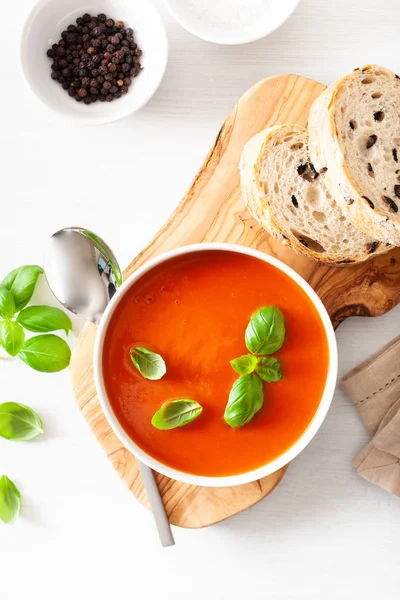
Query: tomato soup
(193, 310)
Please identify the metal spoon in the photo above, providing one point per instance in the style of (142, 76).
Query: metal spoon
(84, 274)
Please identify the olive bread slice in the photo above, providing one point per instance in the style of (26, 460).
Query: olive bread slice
(354, 132)
(292, 201)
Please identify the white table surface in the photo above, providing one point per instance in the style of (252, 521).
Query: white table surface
(324, 532)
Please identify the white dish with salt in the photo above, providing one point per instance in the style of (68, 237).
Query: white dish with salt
(231, 21)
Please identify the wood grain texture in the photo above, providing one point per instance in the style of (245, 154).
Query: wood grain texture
(212, 210)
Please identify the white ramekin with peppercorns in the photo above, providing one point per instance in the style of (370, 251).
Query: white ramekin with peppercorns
(93, 64)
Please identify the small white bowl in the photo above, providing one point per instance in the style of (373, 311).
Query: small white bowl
(211, 21)
(43, 27)
(268, 468)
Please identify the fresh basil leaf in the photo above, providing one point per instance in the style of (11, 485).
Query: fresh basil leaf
(176, 413)
(10, 500)
(12, 337)
(21, 283)
(44, 318)
(46, 353)
(269, 369)
(265, 332)
(7, 304)
(149, 364)
(245, 399)
(19, 422)
(244, 365)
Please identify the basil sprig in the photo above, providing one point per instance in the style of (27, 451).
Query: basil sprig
(265, 332)
(46, 353)
(10, 500)
(265, 335)
(176, 413)
(148, 363)
(19, 422)
(245, 400)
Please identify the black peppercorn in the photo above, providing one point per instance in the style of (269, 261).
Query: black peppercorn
(71, 92)
(110, 49)
(86, 17)
(106, 85)
(65, 85)
(103, 92)
(83, 73)
(55, 66)
(93, 91)
(111, 67)
(103, 70)
(113, 89)
(127, 81)
(125, 68)
(53, 75)
(66, 72)
(82, 92)
(102, 18)
(63, 63)
(50, 53)
(124, 89)
(119, 24)
(129, 31)
(109, 22)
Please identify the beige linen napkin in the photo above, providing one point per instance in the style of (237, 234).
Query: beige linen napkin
(374, 387)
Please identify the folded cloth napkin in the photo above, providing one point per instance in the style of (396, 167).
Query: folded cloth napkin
(374, 387)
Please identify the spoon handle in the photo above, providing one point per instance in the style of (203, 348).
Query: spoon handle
(156, 505)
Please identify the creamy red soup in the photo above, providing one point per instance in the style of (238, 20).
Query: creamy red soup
(193, 310)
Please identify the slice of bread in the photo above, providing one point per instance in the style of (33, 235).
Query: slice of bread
(354, 132)
(291, 200)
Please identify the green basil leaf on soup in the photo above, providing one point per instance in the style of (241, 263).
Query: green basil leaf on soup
(42, 319)
(176, 413)
(148, 363)
(7, 304)
(10, 500)
(245, 400)
(47, 353)
(265, 332)
(19, 422)
(244, 365)
(21, 283)
(269, 369)
(12, 337)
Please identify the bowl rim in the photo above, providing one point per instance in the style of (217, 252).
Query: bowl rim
(234, 41)
(248, 476)
(100, 119)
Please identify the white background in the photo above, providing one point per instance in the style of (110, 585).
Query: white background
(324, 532)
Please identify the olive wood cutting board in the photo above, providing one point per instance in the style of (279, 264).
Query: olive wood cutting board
(213, 211)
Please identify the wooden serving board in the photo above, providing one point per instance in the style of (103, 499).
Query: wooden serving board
(213, 211)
